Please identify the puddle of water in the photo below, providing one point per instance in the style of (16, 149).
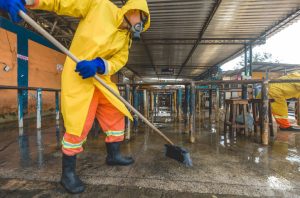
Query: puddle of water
(279, 183)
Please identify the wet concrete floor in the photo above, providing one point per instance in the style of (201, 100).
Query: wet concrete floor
(30, 164)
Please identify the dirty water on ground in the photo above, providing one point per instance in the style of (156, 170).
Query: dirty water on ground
(224, 165)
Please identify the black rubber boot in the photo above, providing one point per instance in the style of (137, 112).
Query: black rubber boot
(69, 180)
(291, 128)
(114, 157)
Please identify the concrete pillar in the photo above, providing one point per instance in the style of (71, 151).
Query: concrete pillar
(192, 113)
(57, 105)
(127, 121)
(179, 104)
(38, 108)
(265, 113)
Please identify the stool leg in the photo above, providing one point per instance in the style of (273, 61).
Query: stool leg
(225, 119)
(233, 123)
(245, 119)
(254, 117)
(260, 119)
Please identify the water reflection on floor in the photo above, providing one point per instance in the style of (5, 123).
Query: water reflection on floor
(225, 165)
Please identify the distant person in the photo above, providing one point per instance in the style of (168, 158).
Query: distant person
(280, 92)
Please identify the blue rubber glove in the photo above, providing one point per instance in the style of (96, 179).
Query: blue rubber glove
(88, 69)
(13, 7)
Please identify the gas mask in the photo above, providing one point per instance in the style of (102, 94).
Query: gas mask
(137, 29)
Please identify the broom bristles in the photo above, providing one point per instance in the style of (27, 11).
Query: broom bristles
(179, 154)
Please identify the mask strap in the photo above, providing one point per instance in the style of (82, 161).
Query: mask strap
(143, 19)
(127, 21)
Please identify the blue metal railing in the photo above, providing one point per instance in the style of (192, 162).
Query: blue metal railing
(39, 103)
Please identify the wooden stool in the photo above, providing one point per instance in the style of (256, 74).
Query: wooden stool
(256, 105)
(233, 107)
(257, 115)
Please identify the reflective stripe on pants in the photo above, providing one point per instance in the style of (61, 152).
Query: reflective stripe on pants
(111, 121)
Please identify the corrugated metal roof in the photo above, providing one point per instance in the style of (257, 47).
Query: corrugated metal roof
(267, 67)
(192, 36)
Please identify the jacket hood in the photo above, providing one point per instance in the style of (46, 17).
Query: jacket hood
(135, 5)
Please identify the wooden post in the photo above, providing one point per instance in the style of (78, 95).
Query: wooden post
(179, 104)
(265, 113)
(155, 105)
(146, 106)
(200, 96)
(210, 103)
(174, 105)
(217, 104)
(151, 105)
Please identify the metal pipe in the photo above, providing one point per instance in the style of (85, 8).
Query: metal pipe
(127, 120)
(20, 108)
(237, 82)
(187, 108)
(57, 105)
(192, 114)
(38, 108)
(136, 106)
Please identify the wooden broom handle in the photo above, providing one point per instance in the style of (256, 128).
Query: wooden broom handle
(48, 36)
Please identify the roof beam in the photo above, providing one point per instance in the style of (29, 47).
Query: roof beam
(212, 14)
(264, 35)
(149, 55)
(133, 71)
(173, 66)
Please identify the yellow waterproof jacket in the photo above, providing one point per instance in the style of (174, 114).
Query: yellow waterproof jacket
(285, 90)
(97, 35)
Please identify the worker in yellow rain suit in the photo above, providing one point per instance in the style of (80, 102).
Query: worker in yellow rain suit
(102, 41)
(280, 92)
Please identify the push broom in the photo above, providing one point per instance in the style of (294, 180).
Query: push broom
(171, 150)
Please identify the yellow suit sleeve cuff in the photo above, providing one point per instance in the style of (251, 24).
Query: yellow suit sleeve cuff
(32, 3)
(106, 72)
